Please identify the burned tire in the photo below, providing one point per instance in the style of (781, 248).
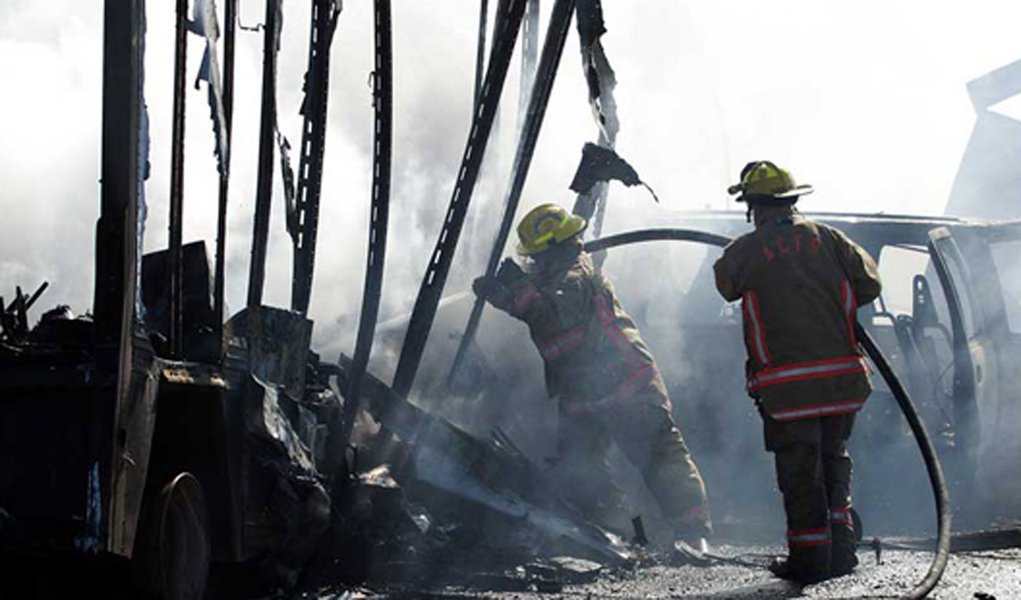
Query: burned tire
(172, 549)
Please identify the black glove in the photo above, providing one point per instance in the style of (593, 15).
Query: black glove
(494, 292)
(510, 274)
(481, 287)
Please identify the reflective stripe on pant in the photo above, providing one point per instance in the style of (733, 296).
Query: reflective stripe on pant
(814, 474)
(837, 468)
(645, 431)
(800, 476)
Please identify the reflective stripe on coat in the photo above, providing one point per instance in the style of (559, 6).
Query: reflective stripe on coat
(593, 354)
(800, 284)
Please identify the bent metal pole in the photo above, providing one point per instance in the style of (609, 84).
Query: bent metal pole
(267, 126)
(429, 293)
(313, 149)
(382, 102)
(229, 37)
(177, 180)
(542, 87)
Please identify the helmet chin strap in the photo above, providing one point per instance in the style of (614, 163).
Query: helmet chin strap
(748, 214)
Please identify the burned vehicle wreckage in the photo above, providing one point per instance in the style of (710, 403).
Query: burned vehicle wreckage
(176, 442)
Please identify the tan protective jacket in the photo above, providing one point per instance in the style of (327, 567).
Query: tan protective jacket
(593, 353)
(800, 284)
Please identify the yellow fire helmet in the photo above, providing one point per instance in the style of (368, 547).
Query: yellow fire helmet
(763, 180)
(545, 225)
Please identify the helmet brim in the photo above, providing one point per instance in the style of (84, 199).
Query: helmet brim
(801, 190)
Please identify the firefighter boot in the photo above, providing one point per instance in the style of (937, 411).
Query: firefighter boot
(843, 556)
(809, 539)
(803, 565)
(837, 470)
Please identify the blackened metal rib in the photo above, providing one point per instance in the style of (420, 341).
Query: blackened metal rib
(439, 264)
(230, 33)
(116, 230)
(529, 56)
(480, 52)
(35, 296)
(177, 177)
(313, 147)
(556, 36)
(264, 186)
(379, 218)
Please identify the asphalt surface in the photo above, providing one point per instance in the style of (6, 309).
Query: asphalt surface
(974, 575)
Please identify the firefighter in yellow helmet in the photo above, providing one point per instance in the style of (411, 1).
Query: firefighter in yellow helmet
(800, 284)
(597, 366)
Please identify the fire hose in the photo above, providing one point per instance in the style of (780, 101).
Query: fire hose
(940, 492)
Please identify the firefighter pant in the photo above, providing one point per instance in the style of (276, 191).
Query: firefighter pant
(644, 430)
(813, 470)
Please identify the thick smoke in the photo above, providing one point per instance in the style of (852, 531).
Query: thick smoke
(859, 101)
(694, 107)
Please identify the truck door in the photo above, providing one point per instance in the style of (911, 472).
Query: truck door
(991, 254)
(980, 275)
(970, 369)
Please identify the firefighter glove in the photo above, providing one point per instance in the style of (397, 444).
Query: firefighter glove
(481, 287)
(510, 274)
(493, 292)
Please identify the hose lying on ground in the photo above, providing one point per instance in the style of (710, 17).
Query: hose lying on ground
(932, 464)
(988, 540)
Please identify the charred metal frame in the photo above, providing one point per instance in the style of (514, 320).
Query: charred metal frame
(91, 398)
(529, 56)
(264, 187)
(382, 82)
(116, 235)
(177, 176)
(439, 264)
(553, 47)
(480, 51)
(230, 33)
(115, 231)
(313, 147)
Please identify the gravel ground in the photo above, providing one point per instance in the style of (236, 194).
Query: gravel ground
(995, 573)
(975, 575)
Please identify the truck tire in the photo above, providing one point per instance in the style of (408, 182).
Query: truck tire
(172, 548)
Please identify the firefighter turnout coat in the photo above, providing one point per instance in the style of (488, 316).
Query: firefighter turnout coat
(800, 284)
(593, 354)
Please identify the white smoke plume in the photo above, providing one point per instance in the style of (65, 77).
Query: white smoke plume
(866, 101)
(703, 87)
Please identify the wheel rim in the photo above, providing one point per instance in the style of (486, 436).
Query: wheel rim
(182, 542)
